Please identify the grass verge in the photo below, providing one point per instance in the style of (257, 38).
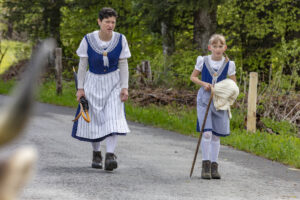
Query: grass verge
(284, 148)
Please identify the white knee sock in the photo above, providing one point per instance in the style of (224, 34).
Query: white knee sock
(111, 143)
(96, 146)
(215, 148)
(205, 145)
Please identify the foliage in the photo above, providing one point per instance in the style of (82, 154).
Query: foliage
(40, 19)
(282, 127)
(47, 94)
(16, 51)
(283, 148)
(259, 29)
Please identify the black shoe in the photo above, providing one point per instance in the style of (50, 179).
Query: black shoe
(97, 160)
(110, 162)
(214, 171)
(206, 169)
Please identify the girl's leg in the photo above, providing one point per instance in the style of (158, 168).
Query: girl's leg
(215, 148)
(205, 148)
(205, 145)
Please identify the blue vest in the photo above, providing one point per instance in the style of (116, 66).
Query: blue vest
(95, 58)
(207, 77)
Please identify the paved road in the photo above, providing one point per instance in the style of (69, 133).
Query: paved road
(154, 164)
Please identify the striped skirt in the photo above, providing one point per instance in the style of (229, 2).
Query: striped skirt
(106, 110)
(217, 121)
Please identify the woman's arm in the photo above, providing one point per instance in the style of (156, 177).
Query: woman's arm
(83, 63)
(124, 76)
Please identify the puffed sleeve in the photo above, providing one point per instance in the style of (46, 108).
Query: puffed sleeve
(82, 49)
(199, 63)
(231, 68)
(125, 53)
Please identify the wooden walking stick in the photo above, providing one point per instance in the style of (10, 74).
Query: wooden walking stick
(203, 124)
(201, 132)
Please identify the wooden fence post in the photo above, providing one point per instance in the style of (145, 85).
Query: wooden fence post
(147, 70)
(58, 68)
(144, 73)
(252, 98)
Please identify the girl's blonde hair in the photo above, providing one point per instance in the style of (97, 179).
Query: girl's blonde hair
(215, 38)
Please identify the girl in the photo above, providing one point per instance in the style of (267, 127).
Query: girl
(213, 68)
(105, 86)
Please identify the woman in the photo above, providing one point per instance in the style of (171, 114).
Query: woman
(105, 86)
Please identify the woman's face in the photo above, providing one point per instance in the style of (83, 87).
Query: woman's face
(107, 25)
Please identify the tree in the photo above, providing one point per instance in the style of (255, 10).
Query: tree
(39, 18)
(257, 28)
(159, 17)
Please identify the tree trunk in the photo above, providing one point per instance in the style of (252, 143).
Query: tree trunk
(167, 38)
(52, 19)
(10, 29)
(205, 24)
(55, 21)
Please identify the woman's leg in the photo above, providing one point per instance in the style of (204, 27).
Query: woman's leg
(97, 157)
(110, 157)
(111, 143)
(96, 146)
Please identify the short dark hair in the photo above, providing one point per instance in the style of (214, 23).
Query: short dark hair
(107, 12)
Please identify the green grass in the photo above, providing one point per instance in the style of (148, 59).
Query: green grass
(284, 148)
(47, 94)
(15, 51)
(181, 119)
(281, 148)
(6, 86)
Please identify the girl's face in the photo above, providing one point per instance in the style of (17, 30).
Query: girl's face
(107, 25)
(217, 49)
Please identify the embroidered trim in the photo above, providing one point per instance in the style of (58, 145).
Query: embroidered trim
(212, 71)
(93, 42)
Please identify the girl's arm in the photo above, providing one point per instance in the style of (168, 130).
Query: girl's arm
(194, 78)
(233, 77)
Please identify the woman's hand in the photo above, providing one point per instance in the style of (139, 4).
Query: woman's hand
(124, 94)
(79, 94)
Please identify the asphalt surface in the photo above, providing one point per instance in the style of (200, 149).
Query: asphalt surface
(154, 164)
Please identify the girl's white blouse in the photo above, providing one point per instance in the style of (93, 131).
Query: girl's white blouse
(215, 65)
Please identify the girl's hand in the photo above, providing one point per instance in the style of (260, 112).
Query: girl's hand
(207, 86)
(80, 93)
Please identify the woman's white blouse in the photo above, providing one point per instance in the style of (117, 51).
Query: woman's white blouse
(82, 49)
